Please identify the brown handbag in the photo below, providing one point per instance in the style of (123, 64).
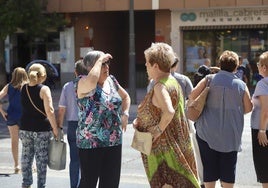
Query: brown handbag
(196, 106)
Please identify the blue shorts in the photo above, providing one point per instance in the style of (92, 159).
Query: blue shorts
(12, 122)
(217, 165)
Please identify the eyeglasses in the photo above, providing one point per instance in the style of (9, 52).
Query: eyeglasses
(106, 63)
(259, 64)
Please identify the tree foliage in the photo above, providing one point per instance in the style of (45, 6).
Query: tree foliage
(28, 16)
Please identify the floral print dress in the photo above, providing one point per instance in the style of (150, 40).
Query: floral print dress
(99, 123)
(172, 159)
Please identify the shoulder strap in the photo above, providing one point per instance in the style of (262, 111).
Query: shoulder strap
(33, 103)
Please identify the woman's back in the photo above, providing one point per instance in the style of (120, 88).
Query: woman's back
(223, 115)
(14, 108)
(33, 120)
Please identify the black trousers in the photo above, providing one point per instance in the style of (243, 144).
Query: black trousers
(260, 155)
(103, 164)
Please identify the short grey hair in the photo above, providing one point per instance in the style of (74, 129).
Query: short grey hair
(91, 57)
(80, 68)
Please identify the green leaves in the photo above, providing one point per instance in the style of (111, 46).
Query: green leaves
(28, 15)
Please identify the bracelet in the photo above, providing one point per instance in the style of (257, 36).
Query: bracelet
(262, 131)
(158, 129)
(126, 113)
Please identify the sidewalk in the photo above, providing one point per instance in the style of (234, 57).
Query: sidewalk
(132, 172)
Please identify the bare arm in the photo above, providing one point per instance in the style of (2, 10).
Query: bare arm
(247, 102)
(89, 82)
(162, 100)
(45, 94)
(4, 113)
(198, 89)
(3, 93)
(263, 121)
(125, 106)
(61, 114)
(214, 69)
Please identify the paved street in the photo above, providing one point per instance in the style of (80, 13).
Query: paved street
(133, 175)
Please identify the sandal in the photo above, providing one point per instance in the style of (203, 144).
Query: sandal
(17, 170)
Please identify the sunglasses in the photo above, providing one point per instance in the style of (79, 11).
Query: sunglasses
(106, 63)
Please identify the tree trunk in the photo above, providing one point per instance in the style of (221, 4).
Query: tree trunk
(3, 74)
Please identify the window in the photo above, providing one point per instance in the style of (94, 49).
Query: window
(201, 44)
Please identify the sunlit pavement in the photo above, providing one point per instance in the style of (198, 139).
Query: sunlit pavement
(132, 173)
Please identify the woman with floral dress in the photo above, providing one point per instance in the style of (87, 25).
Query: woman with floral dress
(103, 114)
(161, 112)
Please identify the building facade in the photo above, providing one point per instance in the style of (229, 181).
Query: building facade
(205, 33)
(197, 30)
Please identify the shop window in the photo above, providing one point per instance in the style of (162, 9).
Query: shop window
(199, 45)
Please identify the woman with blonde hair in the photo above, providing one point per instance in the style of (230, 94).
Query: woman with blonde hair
(13, 113)
(37, 120)
(259, 122)
(171, 161)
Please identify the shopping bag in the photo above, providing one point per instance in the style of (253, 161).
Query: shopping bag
(199, 165)
(142, 142)
(57, 153)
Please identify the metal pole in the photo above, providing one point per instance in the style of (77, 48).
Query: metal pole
(132, 54)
